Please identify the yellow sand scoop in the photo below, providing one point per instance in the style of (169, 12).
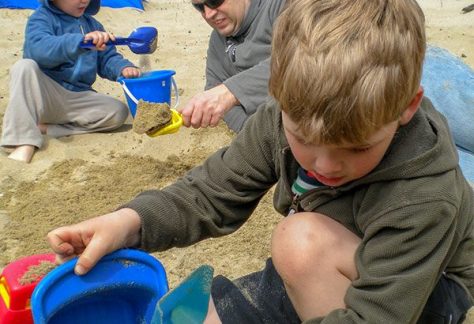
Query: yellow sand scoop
(172, 127)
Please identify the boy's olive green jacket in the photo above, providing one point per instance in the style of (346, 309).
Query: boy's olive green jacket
(414, 212)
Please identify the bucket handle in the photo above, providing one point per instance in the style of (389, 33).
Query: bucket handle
(135, 100)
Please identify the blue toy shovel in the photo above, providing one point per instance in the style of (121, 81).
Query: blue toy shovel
(142, 40)
(188, 302)
(123, 287)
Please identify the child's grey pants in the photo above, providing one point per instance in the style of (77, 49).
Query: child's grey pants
(37, 99)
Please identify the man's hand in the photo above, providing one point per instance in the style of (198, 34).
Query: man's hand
(208, 108)
(95, 237)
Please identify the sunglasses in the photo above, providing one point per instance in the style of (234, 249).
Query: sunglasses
(211, 4)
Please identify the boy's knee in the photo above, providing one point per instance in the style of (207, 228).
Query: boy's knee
(118, 114)
(305, 244)
(121, 115)
(24, 66)
(298, 240)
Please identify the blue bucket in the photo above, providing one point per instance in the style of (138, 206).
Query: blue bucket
(153, 86)
(123, 287)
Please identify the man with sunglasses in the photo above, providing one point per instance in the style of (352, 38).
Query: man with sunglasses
(237, 73)
(237, 67)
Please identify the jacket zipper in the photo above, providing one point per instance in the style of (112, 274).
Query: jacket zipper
(295, 202)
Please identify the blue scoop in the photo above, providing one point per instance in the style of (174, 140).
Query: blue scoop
(188, 302)
(124, 287)
(143, 40)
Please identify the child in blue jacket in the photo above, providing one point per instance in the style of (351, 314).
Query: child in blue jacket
(51, 87)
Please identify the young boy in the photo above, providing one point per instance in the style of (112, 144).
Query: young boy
(51, 87)
(379, 225)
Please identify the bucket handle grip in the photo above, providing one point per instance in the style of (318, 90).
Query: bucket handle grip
(135, 100)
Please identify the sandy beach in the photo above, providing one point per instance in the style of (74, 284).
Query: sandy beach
(77, 177)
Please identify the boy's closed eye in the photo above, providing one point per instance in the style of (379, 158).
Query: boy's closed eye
(360, 149)
(301, 140)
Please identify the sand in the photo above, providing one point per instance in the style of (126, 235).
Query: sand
(151, 117)
(78, 177)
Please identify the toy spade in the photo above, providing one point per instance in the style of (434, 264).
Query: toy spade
(142, 40)
(172, 127)
(188, 302)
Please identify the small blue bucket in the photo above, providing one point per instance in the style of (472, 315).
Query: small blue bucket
(153, 86)
(123, 287)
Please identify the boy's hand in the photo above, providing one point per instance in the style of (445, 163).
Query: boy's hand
(131, 72)
(95, 237)
(99, 39)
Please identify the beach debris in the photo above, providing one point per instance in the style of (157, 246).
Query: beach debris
(468, 8)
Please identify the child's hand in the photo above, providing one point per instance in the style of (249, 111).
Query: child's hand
(131, 72)
(95, 237)
(99, 39)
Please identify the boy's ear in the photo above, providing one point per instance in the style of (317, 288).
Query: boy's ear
(412, 108)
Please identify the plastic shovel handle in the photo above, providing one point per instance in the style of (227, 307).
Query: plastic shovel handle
(118, 41)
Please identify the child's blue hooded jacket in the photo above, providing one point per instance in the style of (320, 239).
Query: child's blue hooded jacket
(52, 39)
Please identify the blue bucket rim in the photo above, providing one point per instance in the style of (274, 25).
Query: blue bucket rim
(65, 271)
(150, 75)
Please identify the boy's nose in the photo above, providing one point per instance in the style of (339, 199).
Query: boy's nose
(328, 166)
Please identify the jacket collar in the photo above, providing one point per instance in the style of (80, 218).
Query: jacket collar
(252, 12)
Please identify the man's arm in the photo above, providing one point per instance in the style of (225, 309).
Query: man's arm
(250, 87)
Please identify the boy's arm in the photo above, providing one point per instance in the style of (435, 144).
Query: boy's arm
(111, 63)
(215, 198)
(399, 262)
(45, 47)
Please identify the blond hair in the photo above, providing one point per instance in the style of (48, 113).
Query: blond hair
(341, 69)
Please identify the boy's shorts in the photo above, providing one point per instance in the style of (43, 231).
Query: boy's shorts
(260, 297)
